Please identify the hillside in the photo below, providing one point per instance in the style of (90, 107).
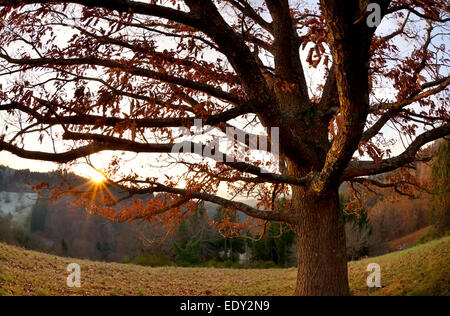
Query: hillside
(18, 205)
(422, 270)
(408, 240)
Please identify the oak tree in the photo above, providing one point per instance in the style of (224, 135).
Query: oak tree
(83, 77)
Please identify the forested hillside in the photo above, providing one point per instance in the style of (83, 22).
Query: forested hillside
(56, 227)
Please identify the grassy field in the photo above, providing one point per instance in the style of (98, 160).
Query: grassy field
(422, 270)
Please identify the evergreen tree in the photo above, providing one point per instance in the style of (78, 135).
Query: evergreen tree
(440, 199)
(39, 215)
(190, 254)
(276, 244)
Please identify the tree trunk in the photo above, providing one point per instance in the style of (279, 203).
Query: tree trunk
(322, 258)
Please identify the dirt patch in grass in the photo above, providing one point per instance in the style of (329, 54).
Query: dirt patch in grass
(409, 240)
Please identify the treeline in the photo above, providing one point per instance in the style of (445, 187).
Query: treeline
(56, 229)
(15, 234)
(440, 199)
(196, 243)
(22, 181)
(53, 227)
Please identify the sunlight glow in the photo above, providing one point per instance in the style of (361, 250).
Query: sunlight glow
(97, 177)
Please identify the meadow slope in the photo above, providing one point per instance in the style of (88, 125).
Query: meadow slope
(422, 270)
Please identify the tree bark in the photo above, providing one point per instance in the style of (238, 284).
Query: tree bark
(322, 258)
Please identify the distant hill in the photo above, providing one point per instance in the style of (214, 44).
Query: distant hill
(20, 181)
(35, 222)
(17, 205)
(12, 180)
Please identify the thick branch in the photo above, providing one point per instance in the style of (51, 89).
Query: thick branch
(108, 143)
(247, 10)
(124, 6)
(250, 211)
(367, 168)
(441, 84)
(288, 66)
(419, 14)
(138, 71)
(350, 59)
(395, 186)
(139, 123)
(396, 108)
